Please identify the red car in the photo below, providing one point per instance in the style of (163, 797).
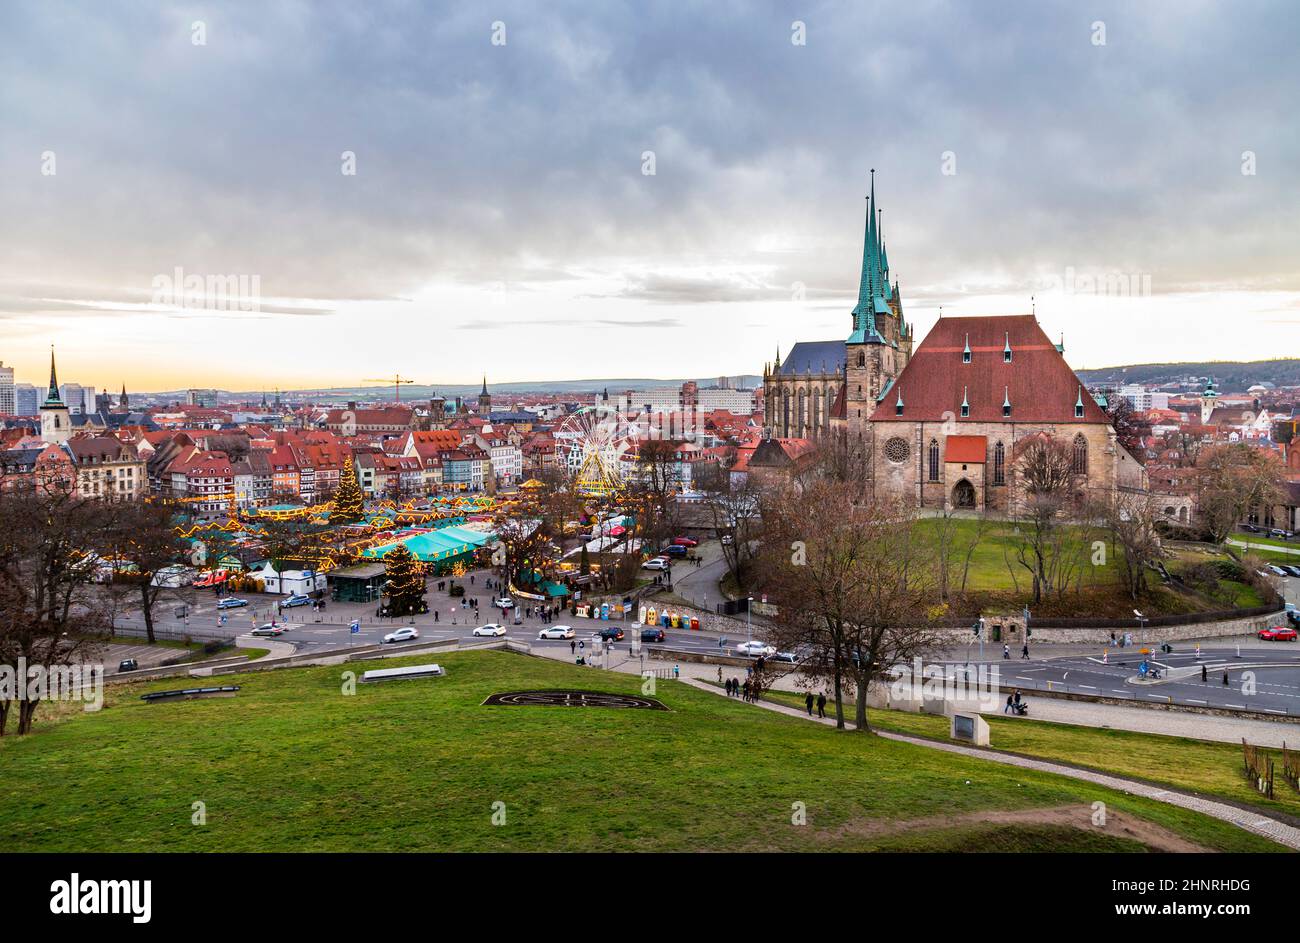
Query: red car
(686, 542)
(1278, 633)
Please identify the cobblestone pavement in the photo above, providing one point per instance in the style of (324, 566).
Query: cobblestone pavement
(1272, 829)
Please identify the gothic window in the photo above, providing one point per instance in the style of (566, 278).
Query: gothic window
(896, 450)
(1080, 463)
(862, 358)
(799, 421)
(999, 464)
(934, 459)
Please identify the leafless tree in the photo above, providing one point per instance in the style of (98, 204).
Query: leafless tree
(1044, 490)
(1231, 481)
(853, 584)
(50, 612)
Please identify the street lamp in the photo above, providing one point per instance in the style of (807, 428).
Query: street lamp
(1142, 622)
(749, 605)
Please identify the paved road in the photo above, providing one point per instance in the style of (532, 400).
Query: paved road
(1260, 678)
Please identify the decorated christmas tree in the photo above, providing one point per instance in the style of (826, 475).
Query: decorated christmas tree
(349, 505)
(404, 592)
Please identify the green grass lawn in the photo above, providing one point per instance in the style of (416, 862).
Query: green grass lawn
(1201, 766)
(292, 764)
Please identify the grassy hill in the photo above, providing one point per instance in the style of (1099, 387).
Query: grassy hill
(293, 764)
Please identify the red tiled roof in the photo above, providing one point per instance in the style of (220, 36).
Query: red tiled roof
(966, 448)
(1038, 382)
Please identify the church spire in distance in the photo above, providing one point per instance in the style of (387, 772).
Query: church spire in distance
(52, 398)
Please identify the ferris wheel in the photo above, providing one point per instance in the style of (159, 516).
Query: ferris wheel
(591, 442)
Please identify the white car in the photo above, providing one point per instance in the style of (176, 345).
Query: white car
(491, 630)
(505, 602)
(655, 563)
(402, 635)
(557, 631)
(756, 649)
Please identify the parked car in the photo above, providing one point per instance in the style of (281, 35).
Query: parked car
(297, 599)
(612, 633)
(1277, 570)
(491, 630)
(1293, 617)
(128, 664)
(756, 649)
(655, 563)
(726, 540)
(268, 630)
(686, 542)
(1291, 568)
(789, 658)
(407, 634)
(231, 602)
(1278, 633)
(1251, 528)
(1280, 533)
(505, 602)
(676, 550)
(557, 631)
(652, 635)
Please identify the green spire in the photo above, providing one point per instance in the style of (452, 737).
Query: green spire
(53, 398)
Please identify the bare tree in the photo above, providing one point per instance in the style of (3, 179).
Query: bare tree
(1045, 479)
(50, 612)
(1130, 520)
(853, 584)
(143, 541)
(1233, 480)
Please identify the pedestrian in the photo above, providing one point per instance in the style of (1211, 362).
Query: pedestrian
(677, 671)
(573, 648)
(1112, 637)
(1006, 651)
(1024, 652)
(1225, 678)
(729, 684)
(808, 702)
(471, 579)
(1017, 697)
(821, 704)
(435, 615)
(1205, 675)
(719, 674)
(745, 689)
(1007, 709)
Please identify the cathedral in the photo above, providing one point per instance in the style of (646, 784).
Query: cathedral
(942, 425)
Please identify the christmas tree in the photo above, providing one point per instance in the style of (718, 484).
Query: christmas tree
(349, 505)
(404, 592)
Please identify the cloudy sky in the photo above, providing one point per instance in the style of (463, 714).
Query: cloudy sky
(1133, 166)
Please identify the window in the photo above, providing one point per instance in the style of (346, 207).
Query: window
(862, 358)
(1006, 410)
(934, 459)
(965, 410)
(1078, 410)
(896, 450)
(1080, 463)
(999, 464)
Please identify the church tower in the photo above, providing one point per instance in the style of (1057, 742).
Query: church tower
(485, 399)
(56, 423)
(1209, 399)
(881, 342)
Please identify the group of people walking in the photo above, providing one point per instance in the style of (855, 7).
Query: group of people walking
(820, 701)
(748, 690)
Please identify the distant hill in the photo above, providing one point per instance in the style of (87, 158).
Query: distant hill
(415, 392)
(1229, 375)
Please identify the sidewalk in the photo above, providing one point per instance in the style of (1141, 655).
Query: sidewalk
(1287, 835)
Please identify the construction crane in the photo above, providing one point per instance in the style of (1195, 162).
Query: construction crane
(397, 380)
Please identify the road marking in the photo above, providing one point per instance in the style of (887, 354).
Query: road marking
(1191, 700)
(1088, 686)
